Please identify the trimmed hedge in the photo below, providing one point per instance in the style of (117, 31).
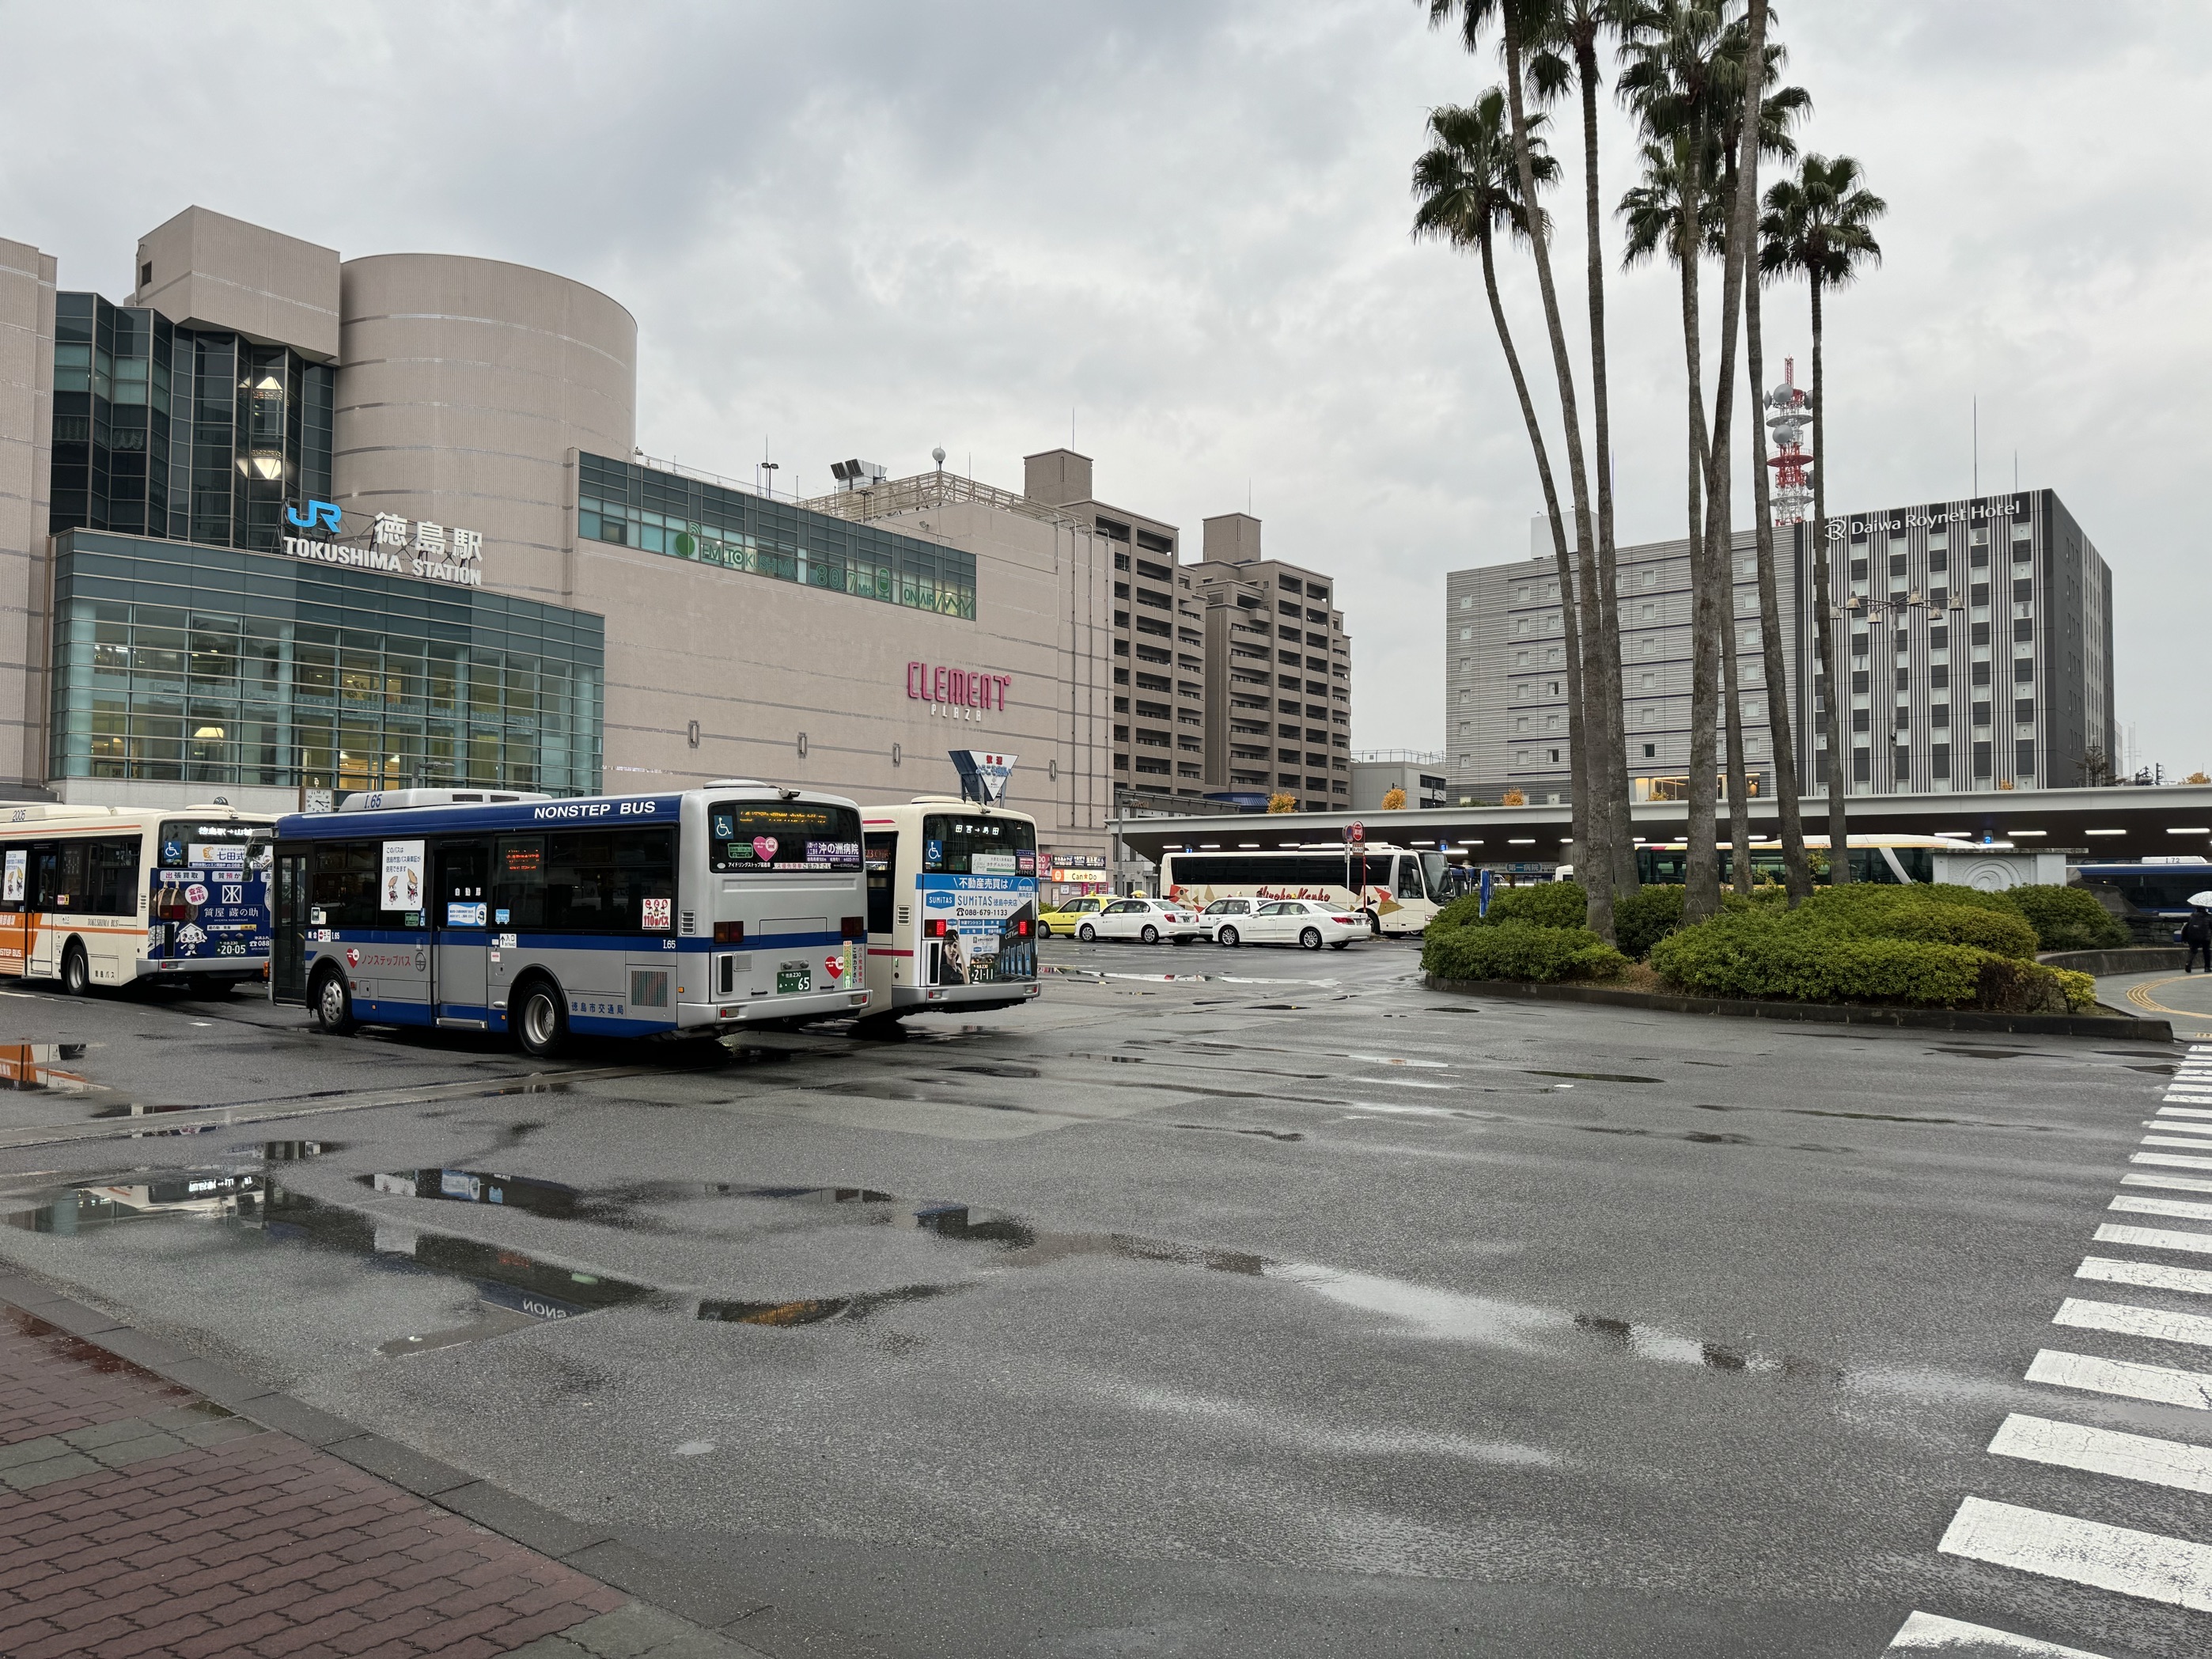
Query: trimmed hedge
(1931, 912)
(1544, 904)
(1518, 949)
(1804, 955)
(2069, 919)
(1644, 917)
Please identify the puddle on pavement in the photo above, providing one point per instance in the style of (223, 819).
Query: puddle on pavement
(514, 1289)
(1991, 1053)
(813, 1312)
(39, 1066)
(1596, 1077)
(547, 1197)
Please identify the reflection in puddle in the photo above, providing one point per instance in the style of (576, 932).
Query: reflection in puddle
(515, 1288)
(37, 1065)
(479, 1186)
(813, 1312)
(1597, 1077)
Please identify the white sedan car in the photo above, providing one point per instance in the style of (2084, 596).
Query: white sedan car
(1305, 923)
(1147, 919)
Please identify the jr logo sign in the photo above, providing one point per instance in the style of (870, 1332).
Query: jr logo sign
(321, 515)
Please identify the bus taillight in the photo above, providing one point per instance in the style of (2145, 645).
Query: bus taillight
(934, 927)
(854, 927)
(729, 932)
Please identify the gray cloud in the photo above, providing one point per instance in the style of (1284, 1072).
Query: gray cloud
(869, 229)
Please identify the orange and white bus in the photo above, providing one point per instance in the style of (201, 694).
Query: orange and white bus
(108, 895)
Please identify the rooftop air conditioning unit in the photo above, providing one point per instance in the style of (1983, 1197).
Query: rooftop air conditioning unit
(856, 475)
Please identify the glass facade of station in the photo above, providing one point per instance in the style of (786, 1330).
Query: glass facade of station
(633, 505)
(188, 435)
(208, 665)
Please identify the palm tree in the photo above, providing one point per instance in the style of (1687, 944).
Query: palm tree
(1525, 25)
(1467, 186)
(1669, 78)
(1820, 223)
(1564, 50)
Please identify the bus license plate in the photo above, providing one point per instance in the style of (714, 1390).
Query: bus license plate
(788, 979)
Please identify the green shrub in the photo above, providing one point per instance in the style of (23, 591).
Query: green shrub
(1644, 917)
(1806, 956)
(1545, 904)
(1930, 913)
(1518, 949)
(2079, 989)
(2068, 918)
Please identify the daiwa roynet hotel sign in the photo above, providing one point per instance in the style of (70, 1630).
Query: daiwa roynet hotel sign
(435, 552)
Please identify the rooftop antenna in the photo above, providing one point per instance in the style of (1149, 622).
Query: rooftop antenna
(1977, 443)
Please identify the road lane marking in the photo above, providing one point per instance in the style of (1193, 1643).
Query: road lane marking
(2129, 1319)
(2158, 1239)
(1925, 1633)
(2139, 1563)
(2152, 1275)
(2121, 1377)
(2162, 1207)
(2180, 1183)
(2105, 1451)
(2170, 1160)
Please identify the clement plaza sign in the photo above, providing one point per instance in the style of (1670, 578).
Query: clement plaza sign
(435, 552)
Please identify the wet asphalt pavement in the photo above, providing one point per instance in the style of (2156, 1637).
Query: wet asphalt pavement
(1291, 1308)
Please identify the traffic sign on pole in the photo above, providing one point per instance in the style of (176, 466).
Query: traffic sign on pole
(1358, 834)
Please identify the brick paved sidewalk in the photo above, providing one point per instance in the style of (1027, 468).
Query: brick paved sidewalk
(138, 1517)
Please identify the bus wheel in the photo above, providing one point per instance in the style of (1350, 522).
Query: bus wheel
(541, 1024)
(1311, 939)
(333, 1004)
(76, 972)
(1374, 924)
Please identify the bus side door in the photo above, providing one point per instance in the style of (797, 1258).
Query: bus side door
(14, 911)
(288, 962)
(881, 855)
(460, 928)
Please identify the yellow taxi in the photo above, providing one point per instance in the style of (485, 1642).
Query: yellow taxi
(1069, 916)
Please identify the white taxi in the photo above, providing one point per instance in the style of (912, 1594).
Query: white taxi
(1150, 920)
(1308, 923)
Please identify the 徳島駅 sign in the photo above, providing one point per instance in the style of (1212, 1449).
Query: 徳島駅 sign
(435, 552)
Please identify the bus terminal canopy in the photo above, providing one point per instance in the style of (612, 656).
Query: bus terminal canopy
(2118, 824)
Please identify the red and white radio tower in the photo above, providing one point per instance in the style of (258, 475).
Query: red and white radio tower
(1793, 496)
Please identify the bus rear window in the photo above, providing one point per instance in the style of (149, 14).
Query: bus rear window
(783, 835)
(187, 843)
(977, 846)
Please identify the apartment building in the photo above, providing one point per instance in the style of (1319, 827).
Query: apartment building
(1279, 662)
(1161, 757)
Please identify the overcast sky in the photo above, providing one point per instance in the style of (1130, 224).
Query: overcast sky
(866, 229)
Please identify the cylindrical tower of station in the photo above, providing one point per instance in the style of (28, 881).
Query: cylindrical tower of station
(463, 384)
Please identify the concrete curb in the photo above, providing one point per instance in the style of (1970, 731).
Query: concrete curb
(2131, 959)
(689, 1614)
(1822, 1013)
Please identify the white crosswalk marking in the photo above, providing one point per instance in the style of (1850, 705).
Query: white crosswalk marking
(2128, 1320)
(2105, 1451)
(2171, 1160)
(2194, 1211)
(2122, 1378)
(2170, 1140)
(2174, 1126)
(2175, 1183)
(1926, 1633)
(2183, 1111)
(2158, 1239)
(2152, 1275)
(2141, 1563)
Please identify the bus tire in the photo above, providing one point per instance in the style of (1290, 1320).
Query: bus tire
(1374, 924)
(539, 1022)
(1150, 934)
(333, 1002)
(76, 970)
(1227, 936)
(1087, 933)
(1309, 939)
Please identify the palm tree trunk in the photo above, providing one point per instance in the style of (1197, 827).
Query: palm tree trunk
(1611, 778)
(1718, 492)
(1594, 862)
(1576, 757)
(1701, 873)
(1731, 689)
(1796, 875)
(1824, 626)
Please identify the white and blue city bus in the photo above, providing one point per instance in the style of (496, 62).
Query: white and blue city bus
(736, 904)
(952, 906)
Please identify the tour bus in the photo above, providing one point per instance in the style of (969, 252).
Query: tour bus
(1400, 890)
(737, 904)
(952, 906)
(1878, 859)
(2151, 895)
(108, 895)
